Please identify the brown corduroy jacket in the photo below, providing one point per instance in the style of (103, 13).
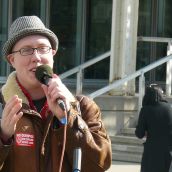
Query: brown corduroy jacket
(37, 144)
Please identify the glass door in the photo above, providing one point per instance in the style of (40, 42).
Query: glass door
(84, 31)
(65, 21)
(98, 37)
(154, 21)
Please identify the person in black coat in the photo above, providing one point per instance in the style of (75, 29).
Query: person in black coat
(155, 123)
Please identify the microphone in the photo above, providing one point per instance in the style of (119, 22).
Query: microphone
(77, 155)
(43, 74)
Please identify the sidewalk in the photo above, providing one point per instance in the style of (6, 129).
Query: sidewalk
(118, 166)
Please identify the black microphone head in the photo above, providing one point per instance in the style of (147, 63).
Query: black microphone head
(43, 73)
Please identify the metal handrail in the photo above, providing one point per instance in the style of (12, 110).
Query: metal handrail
(131, 76)
(77, 69)
(115, 84)
(85, 65)
(139, 73)
(81, 67)
(154, 39)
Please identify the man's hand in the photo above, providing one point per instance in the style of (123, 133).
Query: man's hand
(57, 90)
(10, 115)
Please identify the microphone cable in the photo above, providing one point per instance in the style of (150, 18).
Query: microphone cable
(43, 74)
(64, 139)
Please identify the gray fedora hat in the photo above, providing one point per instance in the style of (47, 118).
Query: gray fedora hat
(25, 26)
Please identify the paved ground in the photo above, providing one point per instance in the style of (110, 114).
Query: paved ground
(124, 167)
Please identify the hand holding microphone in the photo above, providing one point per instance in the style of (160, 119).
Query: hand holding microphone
(53, 91)
(56, 92)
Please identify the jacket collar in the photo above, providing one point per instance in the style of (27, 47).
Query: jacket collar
(11, 88)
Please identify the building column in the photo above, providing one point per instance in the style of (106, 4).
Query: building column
(123, 44)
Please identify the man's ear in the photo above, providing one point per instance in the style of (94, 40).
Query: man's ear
(53, 52)
(10, 59)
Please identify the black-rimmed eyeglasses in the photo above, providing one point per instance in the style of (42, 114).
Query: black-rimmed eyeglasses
(30, 51)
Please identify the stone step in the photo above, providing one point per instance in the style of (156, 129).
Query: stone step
(127, 148)
(126, 140)
(126, 157)
(128, 132)
(114, 121)
(117, 103)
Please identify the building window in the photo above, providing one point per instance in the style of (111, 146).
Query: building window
(83, 28)
(25, 7)
(3, 34)
(66, 20)
(154, 21)
(98, 39)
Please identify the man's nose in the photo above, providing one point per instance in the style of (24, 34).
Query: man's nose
(36, 55)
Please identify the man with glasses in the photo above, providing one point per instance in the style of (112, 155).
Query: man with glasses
(30, 51)
(31, 126)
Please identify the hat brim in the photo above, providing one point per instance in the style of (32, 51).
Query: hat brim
(7, 48)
